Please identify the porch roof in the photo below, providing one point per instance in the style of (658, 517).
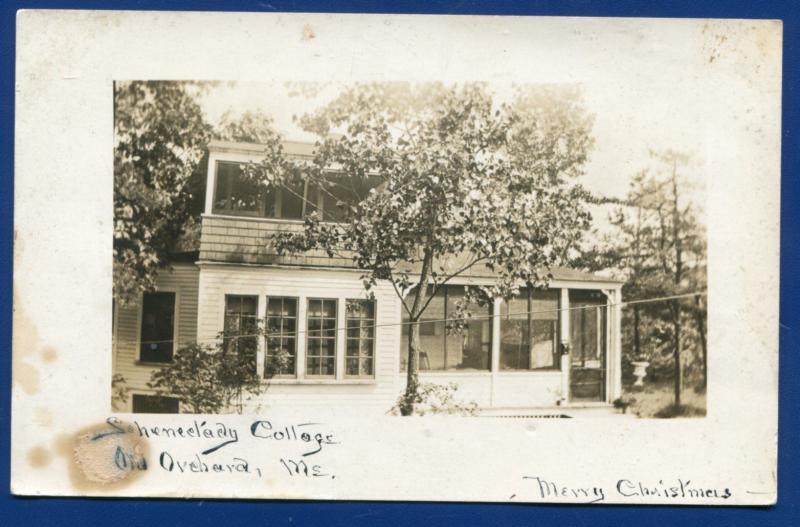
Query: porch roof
(296, 149)
(564, 274)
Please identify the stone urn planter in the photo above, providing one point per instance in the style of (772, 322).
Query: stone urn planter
(640, 372)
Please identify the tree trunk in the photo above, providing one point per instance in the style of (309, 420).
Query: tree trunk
(637, 272)
(678, 369)
(676, 235)
(530, 326)
(412, 381)
(412, 378)
(637, 346)
(701, 328)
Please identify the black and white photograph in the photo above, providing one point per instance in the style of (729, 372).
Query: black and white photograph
(396, 258)
(405, 248)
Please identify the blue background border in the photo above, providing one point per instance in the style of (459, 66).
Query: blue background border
(90, 512)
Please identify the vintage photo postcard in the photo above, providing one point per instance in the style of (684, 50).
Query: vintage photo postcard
(429, 258)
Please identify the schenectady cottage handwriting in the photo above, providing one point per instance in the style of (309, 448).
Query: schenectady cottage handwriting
(197, 430)
(293, 433)
(307, 439)
(303, 433)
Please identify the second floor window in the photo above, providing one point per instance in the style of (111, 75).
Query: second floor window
(236, 196)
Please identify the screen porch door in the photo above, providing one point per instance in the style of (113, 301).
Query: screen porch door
(587, 380)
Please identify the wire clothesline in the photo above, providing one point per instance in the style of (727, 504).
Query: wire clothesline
(426, 321)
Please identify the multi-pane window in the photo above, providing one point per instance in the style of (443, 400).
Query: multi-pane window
(321, 338)
(449, 349)
(341, 192)
(154, 404)
(158, 327)
(281, 337)
(529, 331)
(241, 325)
(286, 202)
(236, 195)
(360, 349)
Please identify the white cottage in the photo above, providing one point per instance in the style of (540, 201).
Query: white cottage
(553, 352)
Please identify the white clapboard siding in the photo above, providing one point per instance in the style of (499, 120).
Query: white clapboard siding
(378, 394)
(182, 279)
(201, 294)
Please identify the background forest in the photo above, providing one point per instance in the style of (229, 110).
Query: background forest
(656, 242)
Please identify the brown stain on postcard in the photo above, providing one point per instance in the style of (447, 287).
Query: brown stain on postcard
(105, 456)
(26, 376)
(38, 457)
(25, 340)
(49, 354)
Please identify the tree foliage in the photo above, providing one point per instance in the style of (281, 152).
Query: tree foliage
(438, 399)
(658, 242)
(248, 127)
(445, 180)
(119, 392)
(212, 379)
(159, 137)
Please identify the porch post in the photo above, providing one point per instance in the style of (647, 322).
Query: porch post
(610, 361)
(494, 359)
(617, 344)
(563, 316)
(211, 185)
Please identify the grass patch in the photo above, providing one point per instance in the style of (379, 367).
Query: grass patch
(658, 400)
(684, 410)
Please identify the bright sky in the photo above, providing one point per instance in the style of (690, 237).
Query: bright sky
(650, 86)
(625, 127)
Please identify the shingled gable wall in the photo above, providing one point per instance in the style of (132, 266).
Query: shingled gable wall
(249, 241)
